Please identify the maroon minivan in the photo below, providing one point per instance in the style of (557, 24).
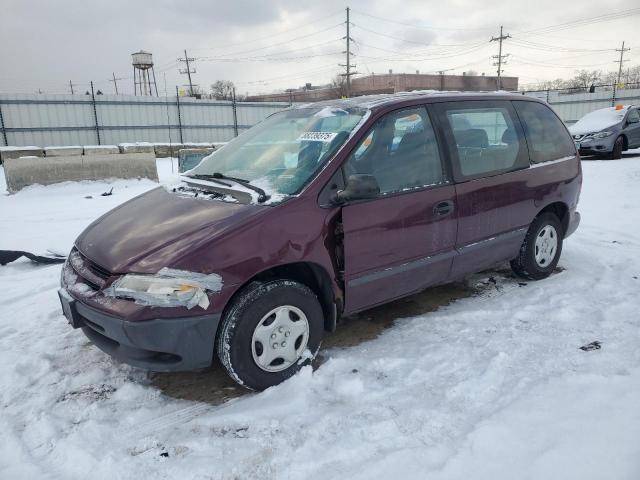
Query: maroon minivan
(317, 212)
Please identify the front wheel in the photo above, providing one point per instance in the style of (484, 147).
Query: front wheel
(269, 332)
(541, 248)
(618, 146)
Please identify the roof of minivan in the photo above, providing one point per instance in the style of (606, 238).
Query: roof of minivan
(375, 101)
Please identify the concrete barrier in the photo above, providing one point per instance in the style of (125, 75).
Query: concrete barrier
(164, 150)
(100, 149)
(17, 152)
(62, 151)
(136, 147)
(24, 171)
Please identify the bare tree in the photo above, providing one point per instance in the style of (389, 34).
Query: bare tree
(583, 79)
(632, 75)
(339, 86)
(222, 90)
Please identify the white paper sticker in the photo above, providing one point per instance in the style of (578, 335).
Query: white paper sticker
(317, 137)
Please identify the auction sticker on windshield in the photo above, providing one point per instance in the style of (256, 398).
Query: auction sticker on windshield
(317, 136)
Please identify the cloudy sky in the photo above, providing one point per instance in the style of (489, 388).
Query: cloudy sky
(269, 45)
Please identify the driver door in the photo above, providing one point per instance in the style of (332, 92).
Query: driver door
(403, 240)
(633, 127)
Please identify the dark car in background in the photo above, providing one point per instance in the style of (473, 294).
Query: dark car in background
(608, 131)
(319, 212)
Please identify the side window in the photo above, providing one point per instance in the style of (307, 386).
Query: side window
(486, 138)
(634, 116)
(400, 151)
(547, 137)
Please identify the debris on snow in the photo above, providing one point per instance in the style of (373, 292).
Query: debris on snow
(591, 346)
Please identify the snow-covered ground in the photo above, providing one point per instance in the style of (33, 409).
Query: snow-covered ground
(493, 386)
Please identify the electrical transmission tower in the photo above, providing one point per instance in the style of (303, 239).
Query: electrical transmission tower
(621, 61)
(188, 70)
(348, 66)
(500, 58)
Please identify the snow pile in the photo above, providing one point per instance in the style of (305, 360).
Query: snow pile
(493, 386)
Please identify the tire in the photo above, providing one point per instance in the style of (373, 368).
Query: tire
(277, 302)
(618, 146)
(526, 265)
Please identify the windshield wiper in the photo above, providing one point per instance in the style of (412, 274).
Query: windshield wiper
(208, 177)
(262, 195)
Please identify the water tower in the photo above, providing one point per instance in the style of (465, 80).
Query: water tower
(142, 73)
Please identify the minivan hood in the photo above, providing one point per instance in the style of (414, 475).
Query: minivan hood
(157, 228)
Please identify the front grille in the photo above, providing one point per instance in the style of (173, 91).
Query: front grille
(91, 273)
(97, 269)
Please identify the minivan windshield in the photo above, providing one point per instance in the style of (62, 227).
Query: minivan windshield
(282, 153)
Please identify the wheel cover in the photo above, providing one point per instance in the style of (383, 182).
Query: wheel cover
(546, 246)
(280, 338)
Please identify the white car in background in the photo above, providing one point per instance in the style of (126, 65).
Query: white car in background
(608, 131)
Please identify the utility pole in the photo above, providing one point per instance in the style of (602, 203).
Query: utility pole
(115, 82)
(188, 70)
(621, 61)
(348, 73)
(500, 57)
(71, 86)
(441, 73)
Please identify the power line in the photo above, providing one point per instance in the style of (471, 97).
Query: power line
(266, 37)
(288, 41)
(330, 66)
(271, 55)
(519, 61)
(500, 57)
(269, 58)
(404, 40)
(554, 48)
(422, 27)
(430, 58)
(582, 22)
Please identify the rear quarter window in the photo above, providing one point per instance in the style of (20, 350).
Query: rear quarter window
(547, 137)
(485, 136)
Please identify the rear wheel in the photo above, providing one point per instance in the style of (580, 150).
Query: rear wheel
(269, 332)
(541, 248)
(618, 146)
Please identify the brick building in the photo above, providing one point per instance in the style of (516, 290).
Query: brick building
(392, 83)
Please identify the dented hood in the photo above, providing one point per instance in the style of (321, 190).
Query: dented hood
(157, 229)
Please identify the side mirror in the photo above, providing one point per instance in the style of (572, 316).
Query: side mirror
(359, 187)
(632, 120)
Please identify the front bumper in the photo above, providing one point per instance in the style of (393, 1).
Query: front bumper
(597, 146)
(160, 345)
(594, 150)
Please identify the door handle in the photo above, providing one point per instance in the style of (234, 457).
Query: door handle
(443, 208)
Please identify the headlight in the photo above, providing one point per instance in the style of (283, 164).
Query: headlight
(602, 134)
(167, 288)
